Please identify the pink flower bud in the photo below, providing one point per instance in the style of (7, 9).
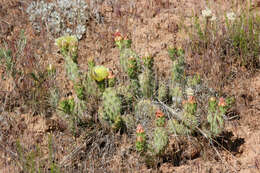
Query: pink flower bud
(139, 129)
(191, 99)
(159, 113)
(222, 102)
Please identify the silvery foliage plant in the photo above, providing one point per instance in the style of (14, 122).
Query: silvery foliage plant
(61, 17)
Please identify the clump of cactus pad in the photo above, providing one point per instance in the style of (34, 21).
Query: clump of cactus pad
(160, 140)
(156, 109)
(110, 111)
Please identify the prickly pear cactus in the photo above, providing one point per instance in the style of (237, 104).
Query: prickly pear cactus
(72, 69)
(178, 75)
(148, 62)
(111, 110)
(126, 95)
(190, 108)
(178, 66)
(160, 140)
(215, 117)
(103, 118)
(118, 123)
(190, 120)
(145, 112)
(163, 92)
(125, 54)
(176, 94)
(132, 68)
(175, 127)
(111, 103)
(146, 83)
(129, 122)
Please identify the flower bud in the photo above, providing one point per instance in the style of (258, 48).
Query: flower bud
(159, 114)
(222, 102)
(139, 129)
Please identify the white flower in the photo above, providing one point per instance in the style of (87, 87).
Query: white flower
(213, 18)
(231, 16)
(206, 13)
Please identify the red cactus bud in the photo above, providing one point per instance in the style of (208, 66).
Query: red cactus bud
(191, 99)
(117, 34)
(222, 102)
(139, 129)
(110, 75)
(159, 113)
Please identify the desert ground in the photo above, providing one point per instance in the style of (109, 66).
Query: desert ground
(35, 137)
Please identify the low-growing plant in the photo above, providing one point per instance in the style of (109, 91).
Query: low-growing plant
(110, 112)
(216, 111)
(160, 140)
(160, 118)
(237, 37)
(176, 127)
(132, 103)
(32, 161)
(75, 106)
(141, 144)
(163, 92)
(6, 58)
(67, 106)
(178, 67)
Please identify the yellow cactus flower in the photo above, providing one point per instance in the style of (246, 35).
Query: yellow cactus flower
(99, 73)
(66, 42)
